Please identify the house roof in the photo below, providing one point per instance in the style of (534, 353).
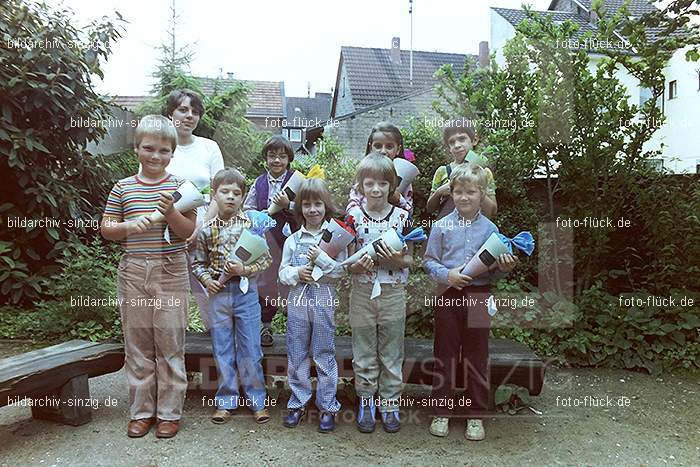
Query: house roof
(310, 109)
(373, 78)
(636, 8)
(266, 98)
(515, 17)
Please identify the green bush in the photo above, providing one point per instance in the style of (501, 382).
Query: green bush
(46, 170)
(600, 330)
(88, 271)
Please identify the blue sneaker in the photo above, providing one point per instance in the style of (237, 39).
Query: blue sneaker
(365, 415)
(326, 423)
(391, 422)
(293, 418)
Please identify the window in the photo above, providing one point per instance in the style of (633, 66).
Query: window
(655, 164)
(342, 87)
(646, 93)
(295, 136)
(672, 89)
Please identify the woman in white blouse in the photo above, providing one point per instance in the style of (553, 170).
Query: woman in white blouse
(196, 159)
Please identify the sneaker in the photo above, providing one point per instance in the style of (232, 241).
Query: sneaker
(266, 339)
(293, 418)
(440, 426)
(475, 430)
(391, 422)
(261, 416)
(326, 423)
(365, 415)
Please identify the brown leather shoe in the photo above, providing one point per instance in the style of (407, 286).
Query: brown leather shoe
(167, 428)
(139, 428)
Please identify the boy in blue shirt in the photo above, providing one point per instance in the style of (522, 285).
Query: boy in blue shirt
(461, 320)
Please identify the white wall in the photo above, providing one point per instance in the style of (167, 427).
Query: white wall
(501, 32)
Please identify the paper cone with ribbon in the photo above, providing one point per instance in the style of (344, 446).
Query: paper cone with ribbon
(251, 245)
(495, 246)
(186, 197)
(391, 238)
(335, 238)
(291, 188)
(406, 173)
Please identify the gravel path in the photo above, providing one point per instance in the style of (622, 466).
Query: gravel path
(657, 424)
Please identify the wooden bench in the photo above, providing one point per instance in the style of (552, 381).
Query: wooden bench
(55, 379)
(511, 362)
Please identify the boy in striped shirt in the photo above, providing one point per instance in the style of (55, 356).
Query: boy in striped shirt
(153, 284)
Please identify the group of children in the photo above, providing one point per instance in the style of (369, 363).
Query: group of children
(152, 266)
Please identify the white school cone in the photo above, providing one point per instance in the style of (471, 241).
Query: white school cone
(334, 239)
(492, 248)
(248, 248)
(391, 238)
(186, 197)
(406, 172)
(291, 188)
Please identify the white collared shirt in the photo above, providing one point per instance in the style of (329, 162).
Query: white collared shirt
(289, 275)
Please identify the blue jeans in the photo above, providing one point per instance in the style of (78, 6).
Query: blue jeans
(234, 320)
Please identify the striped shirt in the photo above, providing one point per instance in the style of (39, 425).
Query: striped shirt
(132, 198)
(215, 241)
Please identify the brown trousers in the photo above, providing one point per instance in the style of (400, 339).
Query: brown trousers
(153, 292)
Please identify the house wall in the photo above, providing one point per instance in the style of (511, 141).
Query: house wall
(680, 134)
(352, 133)
(344, 103)
(120, 133)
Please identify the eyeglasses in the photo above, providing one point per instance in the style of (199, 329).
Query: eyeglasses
(279, 157)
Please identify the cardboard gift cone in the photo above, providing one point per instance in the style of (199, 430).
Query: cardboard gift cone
(290, 188)
(476, 159)
(406, 173)
(390, 237)
(486, 256)
(334, 239)
(186, 197)
(248, 248)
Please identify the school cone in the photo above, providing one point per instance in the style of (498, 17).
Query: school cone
(334, 239)
(186, 197)
(406, 173)
(496, 245)
(291, 188)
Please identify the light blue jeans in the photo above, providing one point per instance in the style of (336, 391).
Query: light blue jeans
(234, 319)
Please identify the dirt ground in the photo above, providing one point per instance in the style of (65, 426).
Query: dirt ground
(638, 420)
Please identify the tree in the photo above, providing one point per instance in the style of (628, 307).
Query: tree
(574, 126)
(50, 112)
(224, 119)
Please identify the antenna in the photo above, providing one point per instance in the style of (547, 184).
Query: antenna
(308, 89)
(410, 54)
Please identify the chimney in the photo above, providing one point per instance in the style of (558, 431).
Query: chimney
(483, 54)
(396, 51)
(229, 75)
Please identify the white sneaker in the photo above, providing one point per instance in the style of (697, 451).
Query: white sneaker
(440, 426)
(475, 430)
